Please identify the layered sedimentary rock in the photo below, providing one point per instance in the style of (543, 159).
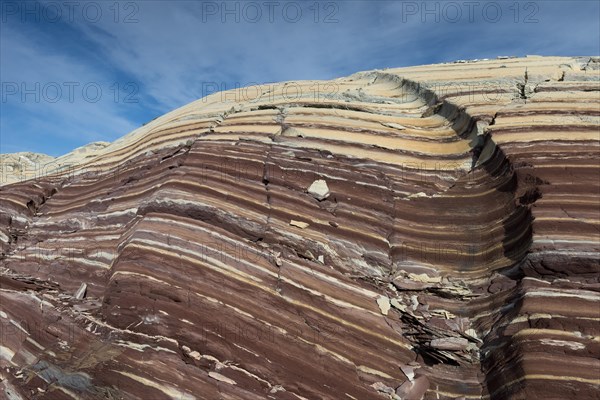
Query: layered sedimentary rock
(14, 166)
(427, 232)
(18, 167)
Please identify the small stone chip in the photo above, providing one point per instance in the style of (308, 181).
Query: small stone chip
(80, 293)
(193, 354)
(278, 261)
(413, 389)
(408, 371)
(396, 304)
(450, 343)
(424, 278)
(299, 224)
(221, 378)
(384, 304)
(319, 190)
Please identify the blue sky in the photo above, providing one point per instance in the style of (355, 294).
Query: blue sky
(82, 71)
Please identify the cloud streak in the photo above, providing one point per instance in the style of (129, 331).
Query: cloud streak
(171, 50)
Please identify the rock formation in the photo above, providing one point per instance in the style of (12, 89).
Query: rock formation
(427, 232)
(17, 167)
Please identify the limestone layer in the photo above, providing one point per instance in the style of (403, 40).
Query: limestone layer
(428, 232)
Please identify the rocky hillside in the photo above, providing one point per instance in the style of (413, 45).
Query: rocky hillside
(18, 167)
(427, 232)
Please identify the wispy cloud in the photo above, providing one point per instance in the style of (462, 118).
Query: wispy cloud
(170, 51)
(52, 102)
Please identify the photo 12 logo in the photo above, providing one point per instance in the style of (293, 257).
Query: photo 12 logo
(270, 11)
(71, 92)
(52, 12)
(469, 11)
(255, 92)
(11, 330)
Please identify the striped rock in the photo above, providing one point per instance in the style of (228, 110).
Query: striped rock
(465, 195)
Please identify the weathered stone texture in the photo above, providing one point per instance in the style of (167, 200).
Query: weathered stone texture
(455, 254)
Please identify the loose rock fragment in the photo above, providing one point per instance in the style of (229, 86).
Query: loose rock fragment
(424, 278)
(277, 256)
(414, 302)
(450, 343)
(408, 371)
(193, 354)
(413, 389)
(384, 304)
(396, 304)
(319, 190)
(299, 224)
(221, 378)
(80, 293)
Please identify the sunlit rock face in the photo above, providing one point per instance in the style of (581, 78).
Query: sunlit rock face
(18, 167)
(427, 232)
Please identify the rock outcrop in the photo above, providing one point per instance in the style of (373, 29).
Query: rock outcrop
(18, 167)
(454, 256)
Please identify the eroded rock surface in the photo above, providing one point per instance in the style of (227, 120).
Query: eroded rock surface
(456, 255)
(18, 167)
